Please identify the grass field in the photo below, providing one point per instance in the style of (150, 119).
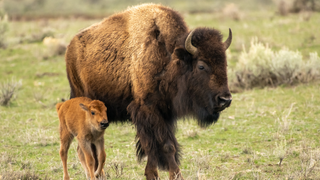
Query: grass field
(261, 128)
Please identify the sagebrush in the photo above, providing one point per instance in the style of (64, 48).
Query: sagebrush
(261, 66)
(7, 90)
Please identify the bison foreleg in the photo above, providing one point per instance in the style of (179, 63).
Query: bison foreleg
(151, 171)
(156, 141)
(146, 146)
(169, 151)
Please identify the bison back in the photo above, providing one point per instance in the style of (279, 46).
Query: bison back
(119, 59)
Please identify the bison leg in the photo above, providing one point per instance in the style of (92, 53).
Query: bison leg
(156, 140)
(144, 144)
(169, 154)
(83, 161)
(90, 161)
(101, 158)
(151, 171)
(66, 139)
(165, 158)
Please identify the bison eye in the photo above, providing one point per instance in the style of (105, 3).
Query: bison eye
(92, 113)
(201, 67)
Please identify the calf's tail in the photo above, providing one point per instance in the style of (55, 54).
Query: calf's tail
(58, 106)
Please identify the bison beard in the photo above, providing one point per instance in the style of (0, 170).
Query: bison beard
(146, 66)
(185, 104)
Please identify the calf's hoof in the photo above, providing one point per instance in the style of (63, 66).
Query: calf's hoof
(100, 176)
(66, 178)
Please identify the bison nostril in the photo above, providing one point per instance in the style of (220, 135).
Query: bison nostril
(104, 125)
(224, 102)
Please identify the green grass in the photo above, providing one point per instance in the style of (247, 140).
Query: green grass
(241, 145)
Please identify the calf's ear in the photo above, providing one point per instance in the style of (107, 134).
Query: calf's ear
(84, 107)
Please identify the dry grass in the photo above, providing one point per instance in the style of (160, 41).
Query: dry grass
(305, 5)
(232, 11)
(55, 47)
(280, 150)
(21, 175)
(308, 166)
(37, 35)
(7, 91)
(115, 169)
(285, 122)
(40, 137)
(191, 133)
(284, 7)
(247, 149)
(8, 173)
(4, 27)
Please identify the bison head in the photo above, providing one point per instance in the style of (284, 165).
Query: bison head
(202, 88)
(96, 114)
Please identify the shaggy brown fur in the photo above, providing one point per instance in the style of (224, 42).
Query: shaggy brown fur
(87, 120)
(137, 63)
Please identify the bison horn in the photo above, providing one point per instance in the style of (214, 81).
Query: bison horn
(228, 41)
(189, 47)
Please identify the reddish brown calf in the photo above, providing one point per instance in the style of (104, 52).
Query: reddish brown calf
(87, 120)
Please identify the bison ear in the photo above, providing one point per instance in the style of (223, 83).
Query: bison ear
(84, 107)
(183, 55)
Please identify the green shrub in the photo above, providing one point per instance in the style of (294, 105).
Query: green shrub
(310, 70)
(261, 66)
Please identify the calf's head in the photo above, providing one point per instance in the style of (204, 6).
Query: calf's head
(96, 114)
(203, 86)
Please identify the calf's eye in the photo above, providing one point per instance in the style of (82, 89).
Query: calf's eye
(92, 113)
(201, 67)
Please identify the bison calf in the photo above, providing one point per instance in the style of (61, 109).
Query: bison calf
(87, 120)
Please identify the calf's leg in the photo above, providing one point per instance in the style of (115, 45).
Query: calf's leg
(90, 162)
(101, 157)
(66, 139)
(83, 161)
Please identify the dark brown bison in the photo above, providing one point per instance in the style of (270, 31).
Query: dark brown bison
(146, 66)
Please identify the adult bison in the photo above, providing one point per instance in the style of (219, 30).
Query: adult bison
(146, 66)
